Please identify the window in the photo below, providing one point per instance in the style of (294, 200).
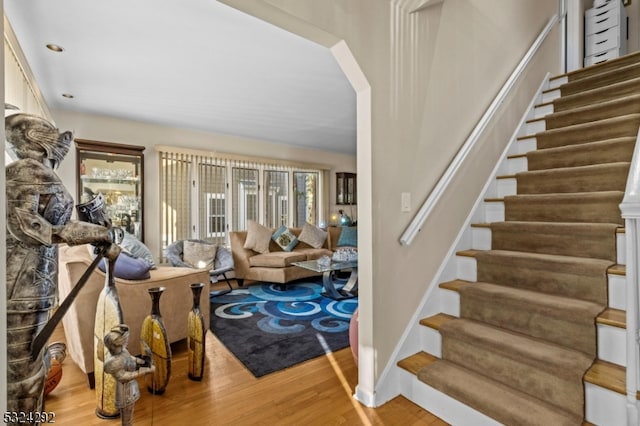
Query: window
(211, 189)
(276, 194)
(215, 216)
(175, 174)
(204, 196)
(305, 187)
(245, 197)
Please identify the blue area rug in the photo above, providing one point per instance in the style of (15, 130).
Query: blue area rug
(269, 329)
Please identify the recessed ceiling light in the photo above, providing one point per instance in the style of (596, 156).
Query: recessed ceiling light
(67, 95)
(55, 47)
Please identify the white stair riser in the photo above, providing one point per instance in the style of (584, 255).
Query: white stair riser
(517, 165)
(551, 95)
(467, 268)
(494, 211)
(621, 247)
(617, 291)
(450, 302)
(525, 145)
(431, 341)
(612, 343)
(507, 186)
(542, 110)
(554, 83)
(604, 407)
(481, 238)
(534, 127)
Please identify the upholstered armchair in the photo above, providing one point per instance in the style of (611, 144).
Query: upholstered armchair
(222, 262)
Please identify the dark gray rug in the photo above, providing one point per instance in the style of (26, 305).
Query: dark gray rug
(269, 329)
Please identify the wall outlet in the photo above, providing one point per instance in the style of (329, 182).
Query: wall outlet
(405, 202)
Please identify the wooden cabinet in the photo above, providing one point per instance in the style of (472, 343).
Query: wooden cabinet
(116, 171)
(346, 188)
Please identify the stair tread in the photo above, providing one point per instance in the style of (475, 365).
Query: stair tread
(568, 170)
(587, 126)
(597, 68)
(573, 169)
(435, 321)
(535, 301)
(537, 353)
(453, 285)
(468, 253)
(610, 150)
(415, 362)
(611, 91)
(605, 122)
(516, 156)
(608, 104)
(616, 269)
(556, 195)
(607, 375)
(619, 230)
(602, 79)
(494, 399)
(596, 194)
(613, 317)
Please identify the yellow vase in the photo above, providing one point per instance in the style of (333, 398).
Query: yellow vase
(153, 336)
(108, 315)
(196, 333)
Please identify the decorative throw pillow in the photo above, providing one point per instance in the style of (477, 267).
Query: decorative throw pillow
(312, 235)
(199, 255)
(285, 238)
(258, 237)
(128, 267)
(348, 237)
(136, 248)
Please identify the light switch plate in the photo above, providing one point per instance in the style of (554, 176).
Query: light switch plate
(405, 202)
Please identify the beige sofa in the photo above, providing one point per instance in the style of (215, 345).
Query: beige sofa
(276, 266)
(78, 322)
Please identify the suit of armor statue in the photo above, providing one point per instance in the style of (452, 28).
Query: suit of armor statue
(38, 217)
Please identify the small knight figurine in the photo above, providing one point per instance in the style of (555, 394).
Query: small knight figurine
(125, 368)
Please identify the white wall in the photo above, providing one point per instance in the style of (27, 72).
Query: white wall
(432, 74)
(107, 129)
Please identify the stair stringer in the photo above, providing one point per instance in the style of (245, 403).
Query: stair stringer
(393, 380)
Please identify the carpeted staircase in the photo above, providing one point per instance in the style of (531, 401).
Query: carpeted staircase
(526, 333)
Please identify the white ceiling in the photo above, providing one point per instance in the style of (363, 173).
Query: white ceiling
(195, 64)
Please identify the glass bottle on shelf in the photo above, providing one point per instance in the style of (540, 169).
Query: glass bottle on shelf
(117, 172)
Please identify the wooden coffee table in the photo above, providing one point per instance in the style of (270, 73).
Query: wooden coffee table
(328, 270)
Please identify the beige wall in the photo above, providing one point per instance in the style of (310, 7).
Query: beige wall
(432, 75)
(107, 129)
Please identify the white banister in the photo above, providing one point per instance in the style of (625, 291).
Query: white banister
(630, 208)
(433, 198)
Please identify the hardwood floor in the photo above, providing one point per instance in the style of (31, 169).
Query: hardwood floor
(317, 392)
